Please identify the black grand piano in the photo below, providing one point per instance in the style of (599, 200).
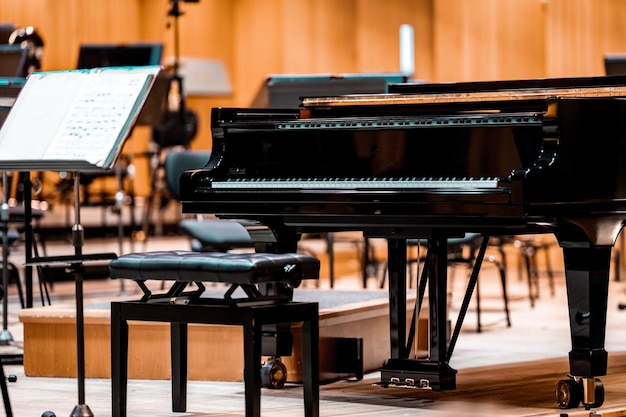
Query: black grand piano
(435, 161)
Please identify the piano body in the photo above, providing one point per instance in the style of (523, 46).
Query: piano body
(435, 161)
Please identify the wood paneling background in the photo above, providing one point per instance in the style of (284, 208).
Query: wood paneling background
(455, 40)
(488, 40)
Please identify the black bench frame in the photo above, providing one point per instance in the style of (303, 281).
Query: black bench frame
(252, 317)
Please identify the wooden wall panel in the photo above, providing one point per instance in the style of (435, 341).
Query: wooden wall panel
(422, 18)
(521, 34)
(377, 35)
(580, 32)
(324, 37)
(612, 26)
(282, 36)
(334, 35)
(298, 47)
(488, 39)
(455, 39)
(153, 22)
(65, 24)
(22, 13)
(256, 39)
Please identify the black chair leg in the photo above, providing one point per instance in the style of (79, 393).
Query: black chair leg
(531, 279)
(546, 252)
(5, 392)
(178, 341)
(478, 322)
(505, 296)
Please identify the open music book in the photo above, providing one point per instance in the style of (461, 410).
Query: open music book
(73, 120)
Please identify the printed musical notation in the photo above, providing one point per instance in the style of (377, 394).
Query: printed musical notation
(79, 117)
(96, 119)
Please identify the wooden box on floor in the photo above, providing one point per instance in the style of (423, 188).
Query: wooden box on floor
(215, 352)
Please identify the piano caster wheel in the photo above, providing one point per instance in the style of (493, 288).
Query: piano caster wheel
(273, 373)
(570, 392)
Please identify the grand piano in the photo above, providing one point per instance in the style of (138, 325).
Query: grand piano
(435, 161)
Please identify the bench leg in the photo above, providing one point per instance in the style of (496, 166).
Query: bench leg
(178, 341)
(119, 361)
(252, 333)
(310, 367)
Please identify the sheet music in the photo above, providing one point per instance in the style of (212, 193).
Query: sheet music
(37, 117)
(97, 117)
(77, 116)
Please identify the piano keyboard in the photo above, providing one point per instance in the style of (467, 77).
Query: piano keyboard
(397, 122)
(357, 183)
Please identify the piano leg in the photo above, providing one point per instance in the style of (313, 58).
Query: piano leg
(396, 249)
(401, 371)
(587, 282)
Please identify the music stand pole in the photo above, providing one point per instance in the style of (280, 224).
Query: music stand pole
(78, 238)
(5, 336)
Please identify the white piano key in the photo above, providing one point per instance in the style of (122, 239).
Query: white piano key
(354, 184)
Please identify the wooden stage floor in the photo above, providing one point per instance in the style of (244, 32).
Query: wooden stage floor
(501, 371)
(518, 389)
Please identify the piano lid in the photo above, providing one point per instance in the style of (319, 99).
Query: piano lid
(475, 92)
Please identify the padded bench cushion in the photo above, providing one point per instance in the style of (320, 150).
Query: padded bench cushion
(217, 235)
(232, 268)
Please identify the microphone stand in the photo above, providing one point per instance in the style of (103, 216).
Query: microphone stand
(156, 148)
(175, 12)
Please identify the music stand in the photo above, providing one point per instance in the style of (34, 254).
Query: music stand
(6, 29)
(9, 89)
(13, 60)
(77, 139)
(99, 55)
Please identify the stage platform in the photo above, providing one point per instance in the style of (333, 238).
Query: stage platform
(352, 323)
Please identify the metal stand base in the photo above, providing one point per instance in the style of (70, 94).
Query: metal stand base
(81, 410)
(6, 338)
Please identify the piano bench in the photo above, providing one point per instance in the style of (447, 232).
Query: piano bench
(245, 270)
(258, 314)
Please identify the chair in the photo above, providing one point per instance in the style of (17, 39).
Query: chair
(529, 247)
(22, 226)
(208, 235)
(462, 251)
(364, 252)
(12, 271)
(17, 218)
(175, 133)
